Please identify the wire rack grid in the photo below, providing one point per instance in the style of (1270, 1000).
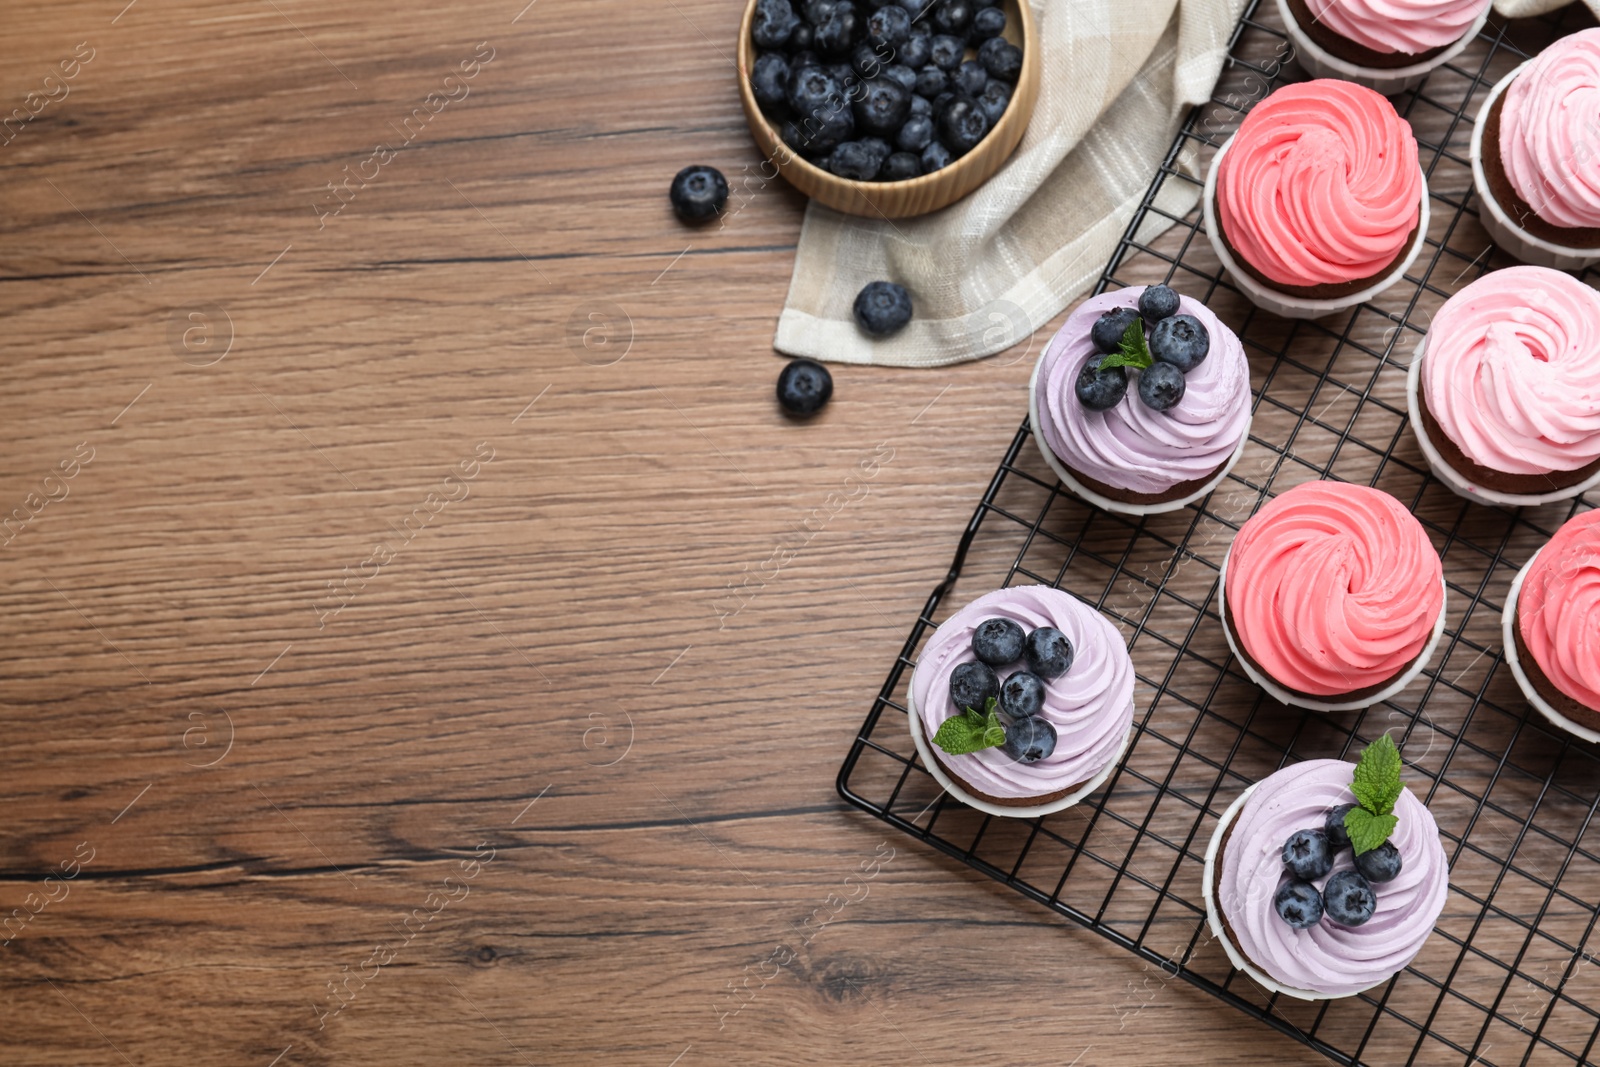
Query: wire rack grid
(1509, 976)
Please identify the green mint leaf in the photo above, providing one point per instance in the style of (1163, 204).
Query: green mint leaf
(1131, 350)
(1368, 831)
(1376, 783)
(971, 731)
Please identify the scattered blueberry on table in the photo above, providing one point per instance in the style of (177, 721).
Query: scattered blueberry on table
(882, 308)
(699, 193)
(804, 386)
(930, 78)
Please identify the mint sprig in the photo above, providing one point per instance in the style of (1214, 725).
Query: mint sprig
(971, 731)
(1376, 785)
(1131, 350)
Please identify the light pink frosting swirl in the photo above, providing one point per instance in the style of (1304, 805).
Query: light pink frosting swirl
(1511, 371)
(1409, 26)
(1133, 446)
(1327, 958)
(1320, 185)
(1091, 706)
(1558, 610)
(1550, 131)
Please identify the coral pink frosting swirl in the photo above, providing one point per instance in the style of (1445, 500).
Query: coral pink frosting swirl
(1091, 706)
(1320, 185)
(1558, 610)
(1328, 958)
(1550, 131)
(1409, 26)
(1511, 371)
(1333, 588)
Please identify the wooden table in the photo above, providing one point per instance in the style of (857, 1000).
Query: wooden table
(387, 458)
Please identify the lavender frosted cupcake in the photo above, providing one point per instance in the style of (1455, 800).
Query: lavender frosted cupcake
(1022, 701)
(1141, 401)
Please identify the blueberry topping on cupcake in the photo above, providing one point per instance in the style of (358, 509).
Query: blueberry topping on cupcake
(1161, 386)
(1176, 345)
(1348, 899)
(1048, 652)
(1307, 855)
(1338, 836)
(1029, 740)
(1381, 864)
(1021, 695)
(1108, 329)
(1005, 713)
(1298, 904)
(998, 642)
(1157, 302)
(973, 685)
(1180, 340)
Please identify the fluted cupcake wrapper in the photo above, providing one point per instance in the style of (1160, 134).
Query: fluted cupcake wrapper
(1320, 63)
(1503, 230)
(1508, 641)
(1296, 307)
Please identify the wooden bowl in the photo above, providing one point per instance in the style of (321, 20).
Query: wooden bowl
(916, 196)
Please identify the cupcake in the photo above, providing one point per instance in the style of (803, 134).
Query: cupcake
(1505, 388)
(1551, 626)
(1332, 596)
(1317, 203)
(1326, 878)
(1386, 45)
(1141, 401)
(1022, 701)
(1534, 162)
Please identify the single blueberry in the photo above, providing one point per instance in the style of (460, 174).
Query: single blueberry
(1307, 855)
(775, 20)
(971, 77)
(1348, 898)
(900, 166)
(918, 46)
(855, 161)
(698, 193)
(987, 22)
(883, 107)
(1180, 340)
(1001, 59)
(1161, 386)
(1107, 331)
(837, 34)
(1100, 390)
(1029, 740)
(972, 684)
(935, 157)
(953, 17)
(1021, 695)
(1338, 836)
(994, 99)
(998, 641)
(962, 125)
(1048, 652)
(769, 80)
(946, 52)
(902, 75)
(915, 135)
(804, 387)
(883, 308)
(813, 90)
(1298, 904)
(931, 81)
(1157, 302)
(1381, 864)
(888, 28)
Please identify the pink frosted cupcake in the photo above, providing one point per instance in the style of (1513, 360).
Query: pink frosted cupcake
(1534, 159)
(1505, 388)
(1326, 878)
(1317, 203)
(1386, 45)
(1552, 627)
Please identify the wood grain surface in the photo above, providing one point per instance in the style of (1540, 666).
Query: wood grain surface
(393, 667)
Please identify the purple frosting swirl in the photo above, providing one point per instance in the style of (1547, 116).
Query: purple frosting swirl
(1327, 958)
(1091, 706)
(1132, 446)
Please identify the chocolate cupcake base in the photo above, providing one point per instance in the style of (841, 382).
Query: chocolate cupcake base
(1360, 698)
(1576, 718)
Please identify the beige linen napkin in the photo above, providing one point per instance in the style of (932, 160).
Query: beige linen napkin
(984, 273)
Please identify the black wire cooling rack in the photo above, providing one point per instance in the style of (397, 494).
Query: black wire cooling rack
(1510, 975)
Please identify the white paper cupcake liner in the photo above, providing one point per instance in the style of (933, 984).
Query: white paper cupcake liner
(925, 750)
(1508, 638)
(1121, 507)
(1320, 63)
(1502, 229)
(1296, 307)
(1453, 479)
(1284, 696)
(1208, 890)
